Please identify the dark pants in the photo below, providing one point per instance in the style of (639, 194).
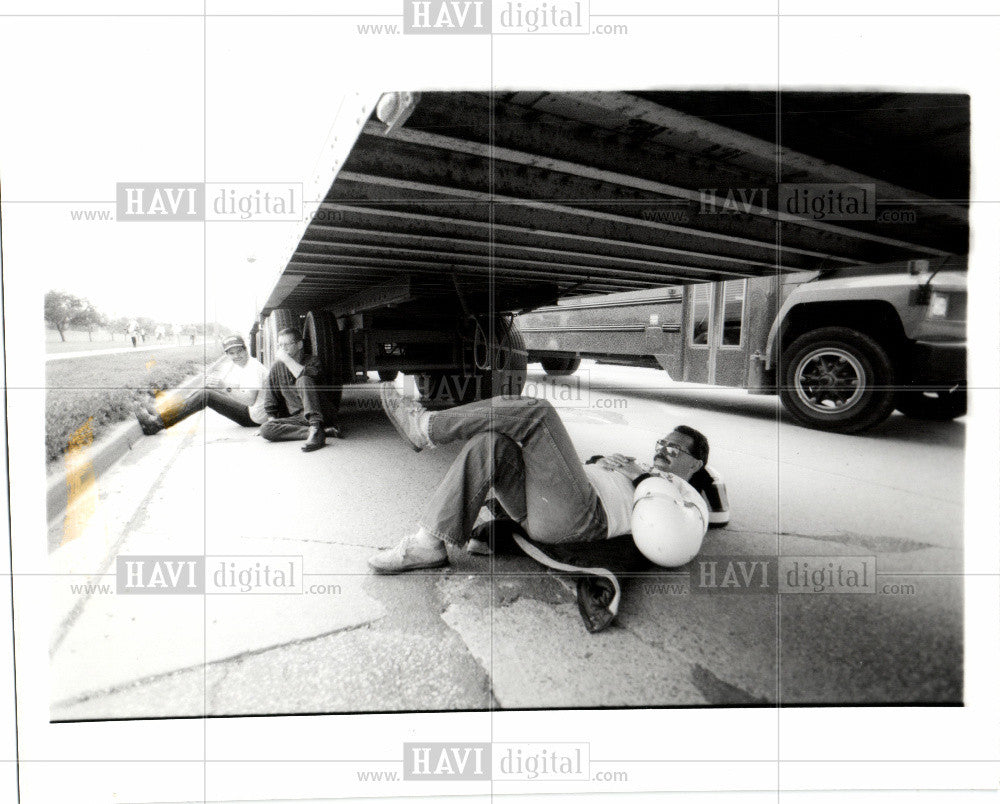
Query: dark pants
(218, 401)
(288, 428)
(298, 399)
(518, 447)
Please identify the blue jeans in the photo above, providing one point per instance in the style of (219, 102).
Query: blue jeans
(218, 401)
(517, 447)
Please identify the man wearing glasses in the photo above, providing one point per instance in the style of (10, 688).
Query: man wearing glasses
(518, 448)
(233, 387)
(291, 398)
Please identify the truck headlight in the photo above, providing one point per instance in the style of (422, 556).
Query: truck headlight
(938, 307)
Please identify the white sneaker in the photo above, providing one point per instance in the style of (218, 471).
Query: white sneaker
(408, 555)
(404, 414)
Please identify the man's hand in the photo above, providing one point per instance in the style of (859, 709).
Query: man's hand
(293, 365)
(213, 381)
(624, 464)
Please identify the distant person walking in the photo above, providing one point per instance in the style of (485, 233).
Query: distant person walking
(133, 332)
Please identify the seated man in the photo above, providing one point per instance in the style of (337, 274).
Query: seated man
(232, 387)
(518, 447)
(291, 398)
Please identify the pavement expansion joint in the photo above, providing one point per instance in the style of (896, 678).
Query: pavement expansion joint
(136, 520)
(320, 541)
(230, 660)
(212, 690)
(876, 544)
(720, 692)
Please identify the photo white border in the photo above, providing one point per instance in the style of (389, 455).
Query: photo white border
(825, 748)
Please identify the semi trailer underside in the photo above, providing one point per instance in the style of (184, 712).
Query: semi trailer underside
(446, 212)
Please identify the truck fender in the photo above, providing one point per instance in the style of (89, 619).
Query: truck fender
(776, 331)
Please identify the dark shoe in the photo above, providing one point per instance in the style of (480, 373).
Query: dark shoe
(406, 556)
(332, 432)
(495, 537)
(404, 414)
(316, 440)
(479, 547)
(594, 597)
(149, 423)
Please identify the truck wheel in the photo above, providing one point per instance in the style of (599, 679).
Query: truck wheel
(488, 370)
(935, 406)
(252, 342)
(509, 361)
(322, 338)
(560, 366)
(837, 379)
(277, 321)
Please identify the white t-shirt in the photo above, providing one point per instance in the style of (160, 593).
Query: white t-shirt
(615, 491)
(250, 377)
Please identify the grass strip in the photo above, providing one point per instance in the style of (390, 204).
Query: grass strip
(100, 390)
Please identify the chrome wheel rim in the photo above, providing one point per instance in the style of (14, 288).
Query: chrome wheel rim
(829, 380)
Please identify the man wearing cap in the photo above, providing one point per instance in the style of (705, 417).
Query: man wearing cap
(233, 387)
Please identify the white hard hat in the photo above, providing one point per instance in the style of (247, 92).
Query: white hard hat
(669, 520)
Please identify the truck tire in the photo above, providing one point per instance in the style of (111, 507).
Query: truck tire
(560, 366)
(935, 406)
(323, 338)
(836, 379)
(497, 369)
(276, 321)
(510, 360)
(252, 342)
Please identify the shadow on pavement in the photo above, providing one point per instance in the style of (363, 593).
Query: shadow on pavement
(726, 400)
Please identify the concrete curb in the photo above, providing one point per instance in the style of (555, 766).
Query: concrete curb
(120, 441)
(100, 456)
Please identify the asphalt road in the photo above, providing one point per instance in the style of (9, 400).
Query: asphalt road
(505, 633)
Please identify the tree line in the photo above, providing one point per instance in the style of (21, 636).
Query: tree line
(64, 311)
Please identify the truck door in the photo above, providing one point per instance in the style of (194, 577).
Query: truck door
(715, 337)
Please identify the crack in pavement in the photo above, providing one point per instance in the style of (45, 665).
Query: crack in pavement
(235, 658)
(719, 692)
(211, 692)
(320, 541)
(134, 521)
(879, 544)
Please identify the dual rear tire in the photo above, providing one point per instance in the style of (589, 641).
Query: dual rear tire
(321, 337)
(324, 339)
(493, 364)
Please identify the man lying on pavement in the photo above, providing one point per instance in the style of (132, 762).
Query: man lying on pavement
(518, 449)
